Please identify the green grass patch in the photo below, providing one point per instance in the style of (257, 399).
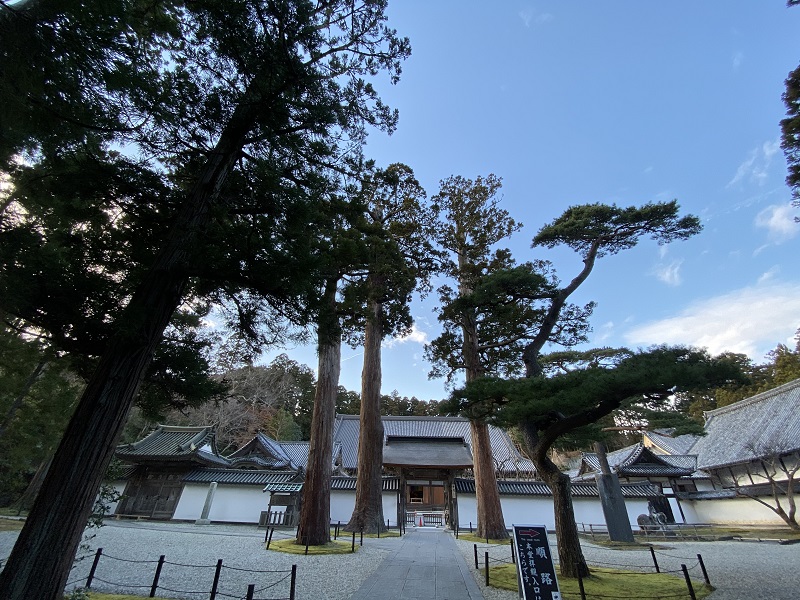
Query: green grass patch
(348, 535)
(772, 533)
(628, 545)
(608, 582)
(292, 547)
(470, 537)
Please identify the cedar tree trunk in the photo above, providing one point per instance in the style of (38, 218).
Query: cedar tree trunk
(40, 563)
(487, 496)
(314, 528)
(368, 511)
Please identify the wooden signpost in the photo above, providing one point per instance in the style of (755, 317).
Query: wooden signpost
(535, 571)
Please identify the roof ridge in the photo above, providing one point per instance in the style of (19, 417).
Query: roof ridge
(761, 396)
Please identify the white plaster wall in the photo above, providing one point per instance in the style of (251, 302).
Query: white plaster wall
(232, 503)
(538, 510)
(734, 511)
(343, 503)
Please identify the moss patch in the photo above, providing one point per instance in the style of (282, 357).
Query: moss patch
(609, 583)
(291, 547)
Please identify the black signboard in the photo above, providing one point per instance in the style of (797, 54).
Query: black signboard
(535, 571)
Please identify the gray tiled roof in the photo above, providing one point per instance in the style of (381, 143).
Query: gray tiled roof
(539, 488)
(638, 461)
(503, 451)
(427, 452)
(769, 421)
(264, 451)
(238, 476)
(298, 452)
(666, 444)
(172, 443)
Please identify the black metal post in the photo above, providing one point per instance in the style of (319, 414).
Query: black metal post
(475, 548)
(580, 581)
(251, 589)
(266, 536)
(294, 582)
(655, 562)
(486, 566)
(688, 582)
(703, 569)
(157, 575)
(269, 541)
(470, 526)
(353, 546)
(97, 556)
(513, 557)
(216, 580)
(306, 545)
(361, 543)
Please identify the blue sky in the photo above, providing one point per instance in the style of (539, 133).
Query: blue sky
(617, 102)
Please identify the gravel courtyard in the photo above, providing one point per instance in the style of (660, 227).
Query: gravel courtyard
(739, 570)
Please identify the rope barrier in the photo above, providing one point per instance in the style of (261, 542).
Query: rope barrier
(166, 589)
(252, 571)
(127, 560)
(166, 562)
(266, 587)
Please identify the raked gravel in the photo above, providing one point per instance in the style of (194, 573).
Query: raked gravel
(739, 570)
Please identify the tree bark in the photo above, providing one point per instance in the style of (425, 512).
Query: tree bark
(570, 554)
(315, 512)
(487, 496)
(368, 512)
(40, 562)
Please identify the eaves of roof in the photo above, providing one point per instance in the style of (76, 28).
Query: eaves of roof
(238, 476)
(348, 484)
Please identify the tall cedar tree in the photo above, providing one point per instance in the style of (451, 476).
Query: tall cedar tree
(472, 225)
(236, 112)
(790, 127)
(545, 408)
(401, 259)
(594, 230)
(346, 255)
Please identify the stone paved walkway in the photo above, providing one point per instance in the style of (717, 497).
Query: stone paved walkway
(426, 565)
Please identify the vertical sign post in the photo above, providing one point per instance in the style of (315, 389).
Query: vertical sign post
(535, 571)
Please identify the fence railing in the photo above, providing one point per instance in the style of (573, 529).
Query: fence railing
(281, 582)
(671, 531)
(696, 563)
(425, 518)
(278, 518)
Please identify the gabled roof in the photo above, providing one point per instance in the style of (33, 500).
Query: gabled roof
(638, 461)
(506, 457)
(265, 452)
(766, 423)
(174, 444)
(664, 443)
(539, 488)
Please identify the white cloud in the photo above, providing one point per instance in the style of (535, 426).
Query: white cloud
(778, 220)
(415, 335)
(770, 275)
(531, 16)
(671, 273)
(738, 57)
(751, 320)
(754, 168)
(604, 332)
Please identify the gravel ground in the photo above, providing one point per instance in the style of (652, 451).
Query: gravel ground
(739, 570)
